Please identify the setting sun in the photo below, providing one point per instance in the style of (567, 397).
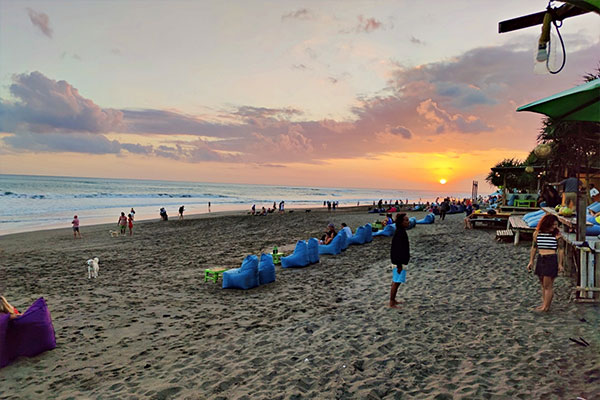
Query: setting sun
(443, 181)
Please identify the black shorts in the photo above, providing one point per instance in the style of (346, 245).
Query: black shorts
(547, 265)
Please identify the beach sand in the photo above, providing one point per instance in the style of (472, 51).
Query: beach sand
(150, 327)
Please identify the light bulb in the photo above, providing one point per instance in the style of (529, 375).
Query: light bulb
(542, 53)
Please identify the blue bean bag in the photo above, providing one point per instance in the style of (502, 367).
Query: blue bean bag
(358, 237)
(533, 222)
(28, 335)
(266, 269)
(595, 206)
(593, 230)
(312, 246)
(412, 222)
(299, 258)
(389, 230)
(511, 199)
(368, 233)
(335, 247)
(591, 219)
(533, 214)
(244, 277)
(428, 219)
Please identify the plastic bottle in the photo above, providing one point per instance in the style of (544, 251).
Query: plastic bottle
(275, 251)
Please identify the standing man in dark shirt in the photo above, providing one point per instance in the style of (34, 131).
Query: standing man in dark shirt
(400, 255)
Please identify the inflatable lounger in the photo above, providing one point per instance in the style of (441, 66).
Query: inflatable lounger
(312, 246)
(266, 269)
(27, 335)
(428, 219)
(336, 245)
(358, 237)
(389, 230)
(368, 233)
(244, 277)
(299, 258)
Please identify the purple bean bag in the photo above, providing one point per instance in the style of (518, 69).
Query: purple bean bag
(27, 335)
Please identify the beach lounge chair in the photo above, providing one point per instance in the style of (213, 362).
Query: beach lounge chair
(389, 230)
(266, 269)
(27, 335)
(299, 258)
(368, 233)
(245, 277)
(412, 222)
(358, 237)
(336, 245)
(312, 245)
(428, 219)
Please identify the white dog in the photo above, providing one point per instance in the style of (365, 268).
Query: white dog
(114, 233)
(93, 267)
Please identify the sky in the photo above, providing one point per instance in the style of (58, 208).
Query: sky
(376, 94)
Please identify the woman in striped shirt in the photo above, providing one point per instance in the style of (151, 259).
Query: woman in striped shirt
(545, 240)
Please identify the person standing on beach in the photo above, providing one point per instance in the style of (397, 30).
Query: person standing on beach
(181, 209)
(209, 206)
(75, 223)
(444, 208)
(549, 263)
(130, 224)
(122, 222)
(132, 213)
(400, 255)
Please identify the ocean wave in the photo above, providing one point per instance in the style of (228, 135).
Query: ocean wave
(100, 195)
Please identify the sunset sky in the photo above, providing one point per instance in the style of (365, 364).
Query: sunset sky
(383, 94)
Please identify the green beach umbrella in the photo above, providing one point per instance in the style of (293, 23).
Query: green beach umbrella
(581, 103)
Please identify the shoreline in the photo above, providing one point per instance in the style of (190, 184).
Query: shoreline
(212, 214)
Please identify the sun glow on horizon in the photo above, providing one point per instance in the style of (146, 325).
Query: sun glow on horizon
(443, 181)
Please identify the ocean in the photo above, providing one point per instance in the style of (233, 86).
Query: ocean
(29, 202)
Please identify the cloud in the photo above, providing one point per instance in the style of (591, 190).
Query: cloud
(301, 67)
(463, 101)
(416, 41)
(400, 131)
(46, 105)
(86, 143)
(303, 14)
(262, 112)
(365, 25)
(40, 20)
(442, 121)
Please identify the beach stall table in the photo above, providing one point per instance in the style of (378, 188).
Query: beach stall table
(581, 103)
(488, 220)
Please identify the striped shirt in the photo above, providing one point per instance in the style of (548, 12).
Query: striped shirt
(546, 241)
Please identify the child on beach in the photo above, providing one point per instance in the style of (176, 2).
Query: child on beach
(6, 308)
(549, 263)
(75, 223)
(130, 224)
(122, 223)
(400, 255)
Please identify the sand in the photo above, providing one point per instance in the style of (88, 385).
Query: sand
(150, 327)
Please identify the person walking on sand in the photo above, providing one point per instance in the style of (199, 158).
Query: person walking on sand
(75, 223)
(132, 213)
(130, 224)
(122, 222)
(209, 206)
(181, 209)
(549, 263)
(400, 255)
